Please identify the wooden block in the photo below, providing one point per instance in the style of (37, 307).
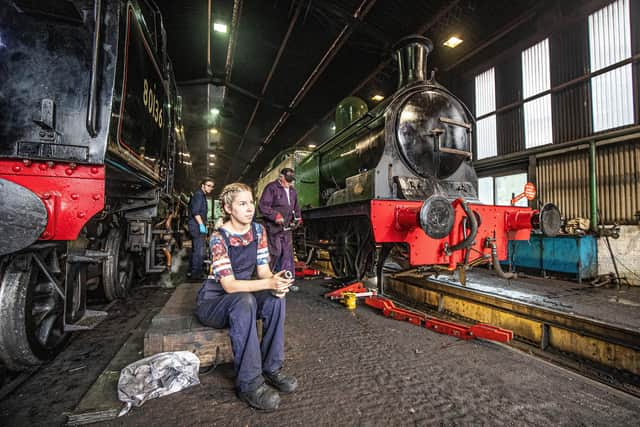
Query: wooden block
(176, 328)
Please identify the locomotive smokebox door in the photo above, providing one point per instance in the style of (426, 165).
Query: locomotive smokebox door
(23, 217)
(436, 217)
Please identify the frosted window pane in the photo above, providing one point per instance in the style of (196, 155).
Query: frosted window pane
(537, 122)
(612, 99)
(485, 93)
(536, 76)
(485, 190)
(486, 137)
(609, 35)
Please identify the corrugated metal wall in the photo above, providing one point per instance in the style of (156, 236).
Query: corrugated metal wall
(564, 180)
(570, 106)
(619, 182)
(510, 123)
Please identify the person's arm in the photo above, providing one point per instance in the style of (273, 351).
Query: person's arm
(276, 283)
(197, 204)
(266, 200)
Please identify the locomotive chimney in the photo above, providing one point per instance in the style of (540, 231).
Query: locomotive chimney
(411, 54)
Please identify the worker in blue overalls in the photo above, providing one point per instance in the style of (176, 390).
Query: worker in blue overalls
(198, 227)
(240, 289)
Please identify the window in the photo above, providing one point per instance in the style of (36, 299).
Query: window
(486, 134)
(508, 186)
(501, 189)
(485, 190)
(536, 78)
(610, 43)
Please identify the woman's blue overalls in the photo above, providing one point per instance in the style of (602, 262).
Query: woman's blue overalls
(238, 311)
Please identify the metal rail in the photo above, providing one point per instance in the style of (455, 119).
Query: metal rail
(603, 344)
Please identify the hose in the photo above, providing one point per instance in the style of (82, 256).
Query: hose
(473, 230)
(496, 263)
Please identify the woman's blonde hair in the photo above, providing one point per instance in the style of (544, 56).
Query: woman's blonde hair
(228, 194)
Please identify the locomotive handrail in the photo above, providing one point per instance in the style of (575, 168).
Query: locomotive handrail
(93, 88)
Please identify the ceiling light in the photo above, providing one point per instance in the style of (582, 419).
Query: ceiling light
(377, 97)
(453, 42)
(212, 155)
(211, 164)
(333, 127)
(213, 131)
(219, 27)
(215, 111)
(311, 145)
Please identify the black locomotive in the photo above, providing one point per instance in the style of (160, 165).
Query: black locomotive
(93, 163)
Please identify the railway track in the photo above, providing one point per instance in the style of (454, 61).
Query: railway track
(603, 352)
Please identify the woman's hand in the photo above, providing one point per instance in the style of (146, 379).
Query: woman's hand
(280, 284)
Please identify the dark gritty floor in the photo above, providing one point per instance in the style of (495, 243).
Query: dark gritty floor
(354, 367)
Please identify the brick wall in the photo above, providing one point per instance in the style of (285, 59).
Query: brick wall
(626, 250)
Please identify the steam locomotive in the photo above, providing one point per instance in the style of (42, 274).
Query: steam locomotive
(399, 180)
(92, 159)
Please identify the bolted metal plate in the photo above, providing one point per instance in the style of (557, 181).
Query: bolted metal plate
(23, 217)
(436, 217)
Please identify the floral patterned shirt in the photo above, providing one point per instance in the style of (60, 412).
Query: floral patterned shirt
(220, 262)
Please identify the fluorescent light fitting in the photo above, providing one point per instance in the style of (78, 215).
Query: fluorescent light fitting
(452, 42)
(219, 27)
(311, 145)
(212, 155)
(213, 130)
(377, 97)
(215, 111)
(211, 164)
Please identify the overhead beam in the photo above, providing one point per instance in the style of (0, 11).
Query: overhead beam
(359, 14)
(267, 80)
(421, 30)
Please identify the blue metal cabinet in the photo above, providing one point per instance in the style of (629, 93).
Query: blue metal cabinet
(575, 255)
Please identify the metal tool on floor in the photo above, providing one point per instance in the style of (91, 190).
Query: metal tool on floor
(457, 330)
(349, 293)
(303, 271)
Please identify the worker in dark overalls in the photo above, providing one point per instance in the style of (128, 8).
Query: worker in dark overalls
(240, 289)
(198, 227)
(279, 207)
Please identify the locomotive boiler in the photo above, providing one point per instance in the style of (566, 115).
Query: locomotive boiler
(401, 177)
(92, 155)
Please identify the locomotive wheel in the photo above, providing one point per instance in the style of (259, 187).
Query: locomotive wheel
(354, 250)
(31, 310)
(117, 269)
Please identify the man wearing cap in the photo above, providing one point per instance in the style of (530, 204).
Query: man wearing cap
(279, 207)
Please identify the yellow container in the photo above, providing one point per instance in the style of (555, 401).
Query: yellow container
(349, 300)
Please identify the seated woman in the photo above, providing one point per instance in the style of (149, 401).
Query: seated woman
(233, 297)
